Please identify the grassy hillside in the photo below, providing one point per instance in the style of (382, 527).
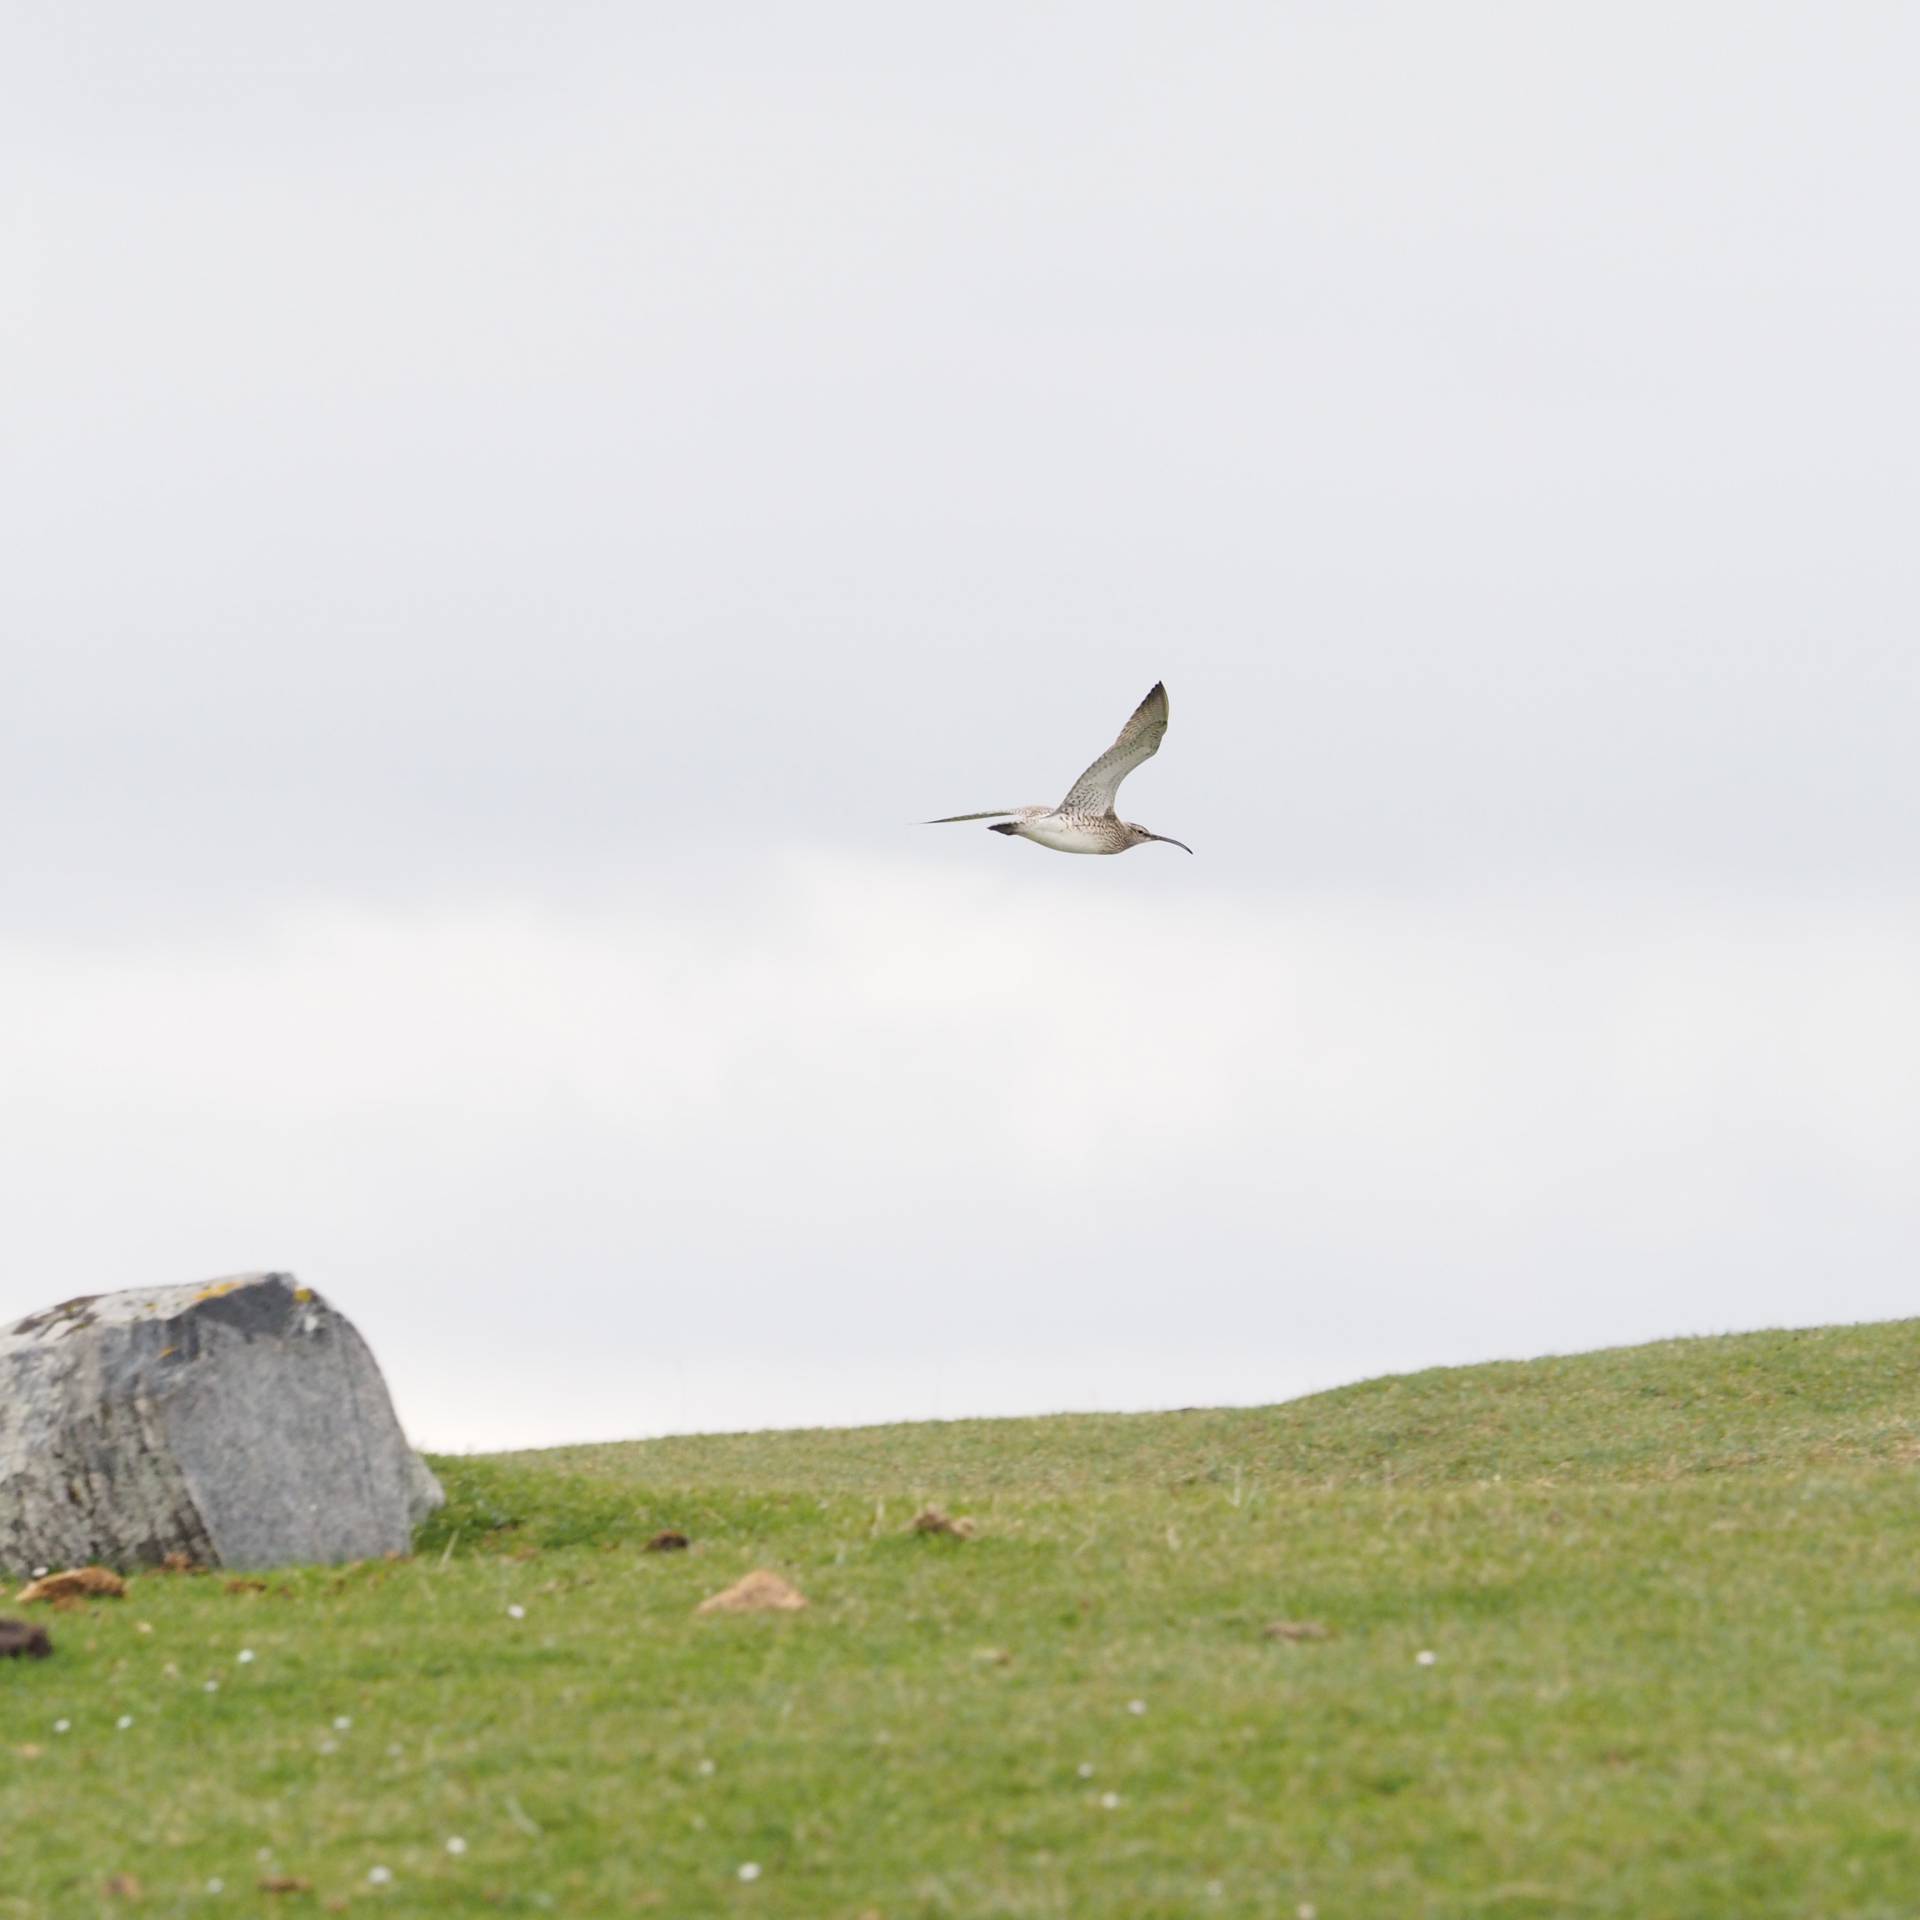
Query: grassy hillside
(1670, 1595)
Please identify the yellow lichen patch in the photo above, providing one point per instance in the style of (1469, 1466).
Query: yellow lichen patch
(303, 1293)
(214, 1291)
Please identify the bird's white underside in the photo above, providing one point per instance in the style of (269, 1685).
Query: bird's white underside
(1067, 836)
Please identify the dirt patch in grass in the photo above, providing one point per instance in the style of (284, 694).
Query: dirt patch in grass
(756, 1592)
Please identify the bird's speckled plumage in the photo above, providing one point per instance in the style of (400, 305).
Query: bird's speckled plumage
(1085, 822)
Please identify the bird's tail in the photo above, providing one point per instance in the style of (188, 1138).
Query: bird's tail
(1003, 826)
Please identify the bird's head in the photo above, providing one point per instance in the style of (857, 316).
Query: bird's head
(1137, 836)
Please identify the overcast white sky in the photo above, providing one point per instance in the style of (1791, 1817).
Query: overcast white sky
(509, 513)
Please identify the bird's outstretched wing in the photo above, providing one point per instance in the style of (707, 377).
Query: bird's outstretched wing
(992, 813)
(1139, 740)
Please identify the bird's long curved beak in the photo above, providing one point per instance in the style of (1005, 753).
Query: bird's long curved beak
(1168, 840)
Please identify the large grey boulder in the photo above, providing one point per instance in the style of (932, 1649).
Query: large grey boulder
(242, 1423)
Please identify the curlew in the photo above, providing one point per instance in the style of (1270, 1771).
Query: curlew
(1084, 822)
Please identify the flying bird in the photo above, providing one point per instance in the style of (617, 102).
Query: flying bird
(1084, 822)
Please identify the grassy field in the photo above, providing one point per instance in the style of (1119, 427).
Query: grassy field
(1633, 1633)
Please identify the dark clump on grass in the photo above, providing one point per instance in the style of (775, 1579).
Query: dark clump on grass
(932, 1520)
(19, 1640)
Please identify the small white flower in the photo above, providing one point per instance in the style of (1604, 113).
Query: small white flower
(61, 1726)
(212, 1686)
(516, 1611)
(379, 1876)
(1306, 1910)
(749, 1870)
(329, 1746)
(39, 1573)
(124, 1722)
(342, 1721)
(245, 1656)
(143, 1626)
(216, 1885)
(1136, 1706)
(1109, 1801)
(1086, 1769)
(265, 1856)
(455, 1845)
(705, 1766)
(1425, 1657)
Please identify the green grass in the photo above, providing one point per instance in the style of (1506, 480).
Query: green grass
(1673, 1595)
